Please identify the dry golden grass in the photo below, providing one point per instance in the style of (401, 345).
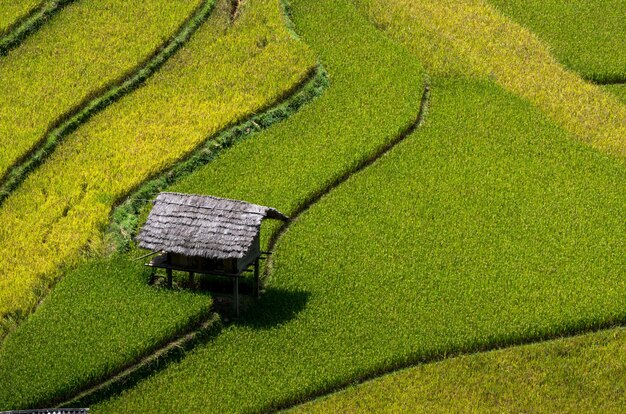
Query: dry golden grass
(471, 38)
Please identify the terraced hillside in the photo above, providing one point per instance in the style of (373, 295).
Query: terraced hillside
(85, 48)
(455, 186)
(580, 374)
(585, 37)
(60, 207)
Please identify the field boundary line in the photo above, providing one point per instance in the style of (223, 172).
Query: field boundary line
(435, 358)
(100, 99)
(360, 166)
(124, 218)
(600, 80)
(575, 329)
(29, 23)
(156, 360)
(124, 221)
(206, 325)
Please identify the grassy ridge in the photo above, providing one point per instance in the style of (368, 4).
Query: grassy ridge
(81, 51)
(63, 205)
(109, 311)
(384, 88)
(471, 38)
(581, 374)
(11, 11)
(135, 79)
(374, 94)
(485, 227)
(26, 25)
(589, 38)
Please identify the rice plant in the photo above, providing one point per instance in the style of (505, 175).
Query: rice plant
(11, 11)
(75, 56)
(489, 226)
(226, 72)
(580, 374)
(471, 38)
(107, 309)
(589, 38)
(369, 96)
(618, 91)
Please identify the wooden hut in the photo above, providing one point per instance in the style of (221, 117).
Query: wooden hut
(207, 235)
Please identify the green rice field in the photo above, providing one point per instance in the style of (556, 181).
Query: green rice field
(580, 374)
(60, 207)
(457, 293)
(454, 173)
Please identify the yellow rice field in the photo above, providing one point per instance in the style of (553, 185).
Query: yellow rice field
(62, 206)
(12, 10)
(87, 45)
(471, 38)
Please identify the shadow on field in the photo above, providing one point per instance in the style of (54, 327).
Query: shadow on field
(274, 307)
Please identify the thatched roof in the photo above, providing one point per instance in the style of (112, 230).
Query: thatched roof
(205, 226)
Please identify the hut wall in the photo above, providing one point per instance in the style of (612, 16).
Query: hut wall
(251, 255)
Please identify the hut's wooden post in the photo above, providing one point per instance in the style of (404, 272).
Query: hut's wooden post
(191, 279)
(236, 294)
(168, 270)
(169, 277)
(256, 278)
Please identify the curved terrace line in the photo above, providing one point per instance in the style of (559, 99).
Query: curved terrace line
(156, 359)
(428, 359)
(617, 79)
(126, 210)
(383, 373)
(29, 23)
(101, 99)
(362, 165)
(162, 356)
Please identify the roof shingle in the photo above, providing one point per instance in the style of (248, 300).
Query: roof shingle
(204, 226)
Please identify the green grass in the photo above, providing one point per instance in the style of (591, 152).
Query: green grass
(384, 88)
(474, 233)
(27, 23)
(489, 226)
(371, 99)
(107, 310)
(11, 11)
(573, 375)
(223, 74)
(74, 56)
(589, 38)
(472, 38)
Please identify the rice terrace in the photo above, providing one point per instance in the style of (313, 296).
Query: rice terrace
(313, 206)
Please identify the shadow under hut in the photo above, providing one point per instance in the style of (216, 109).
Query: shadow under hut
(206, 235)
